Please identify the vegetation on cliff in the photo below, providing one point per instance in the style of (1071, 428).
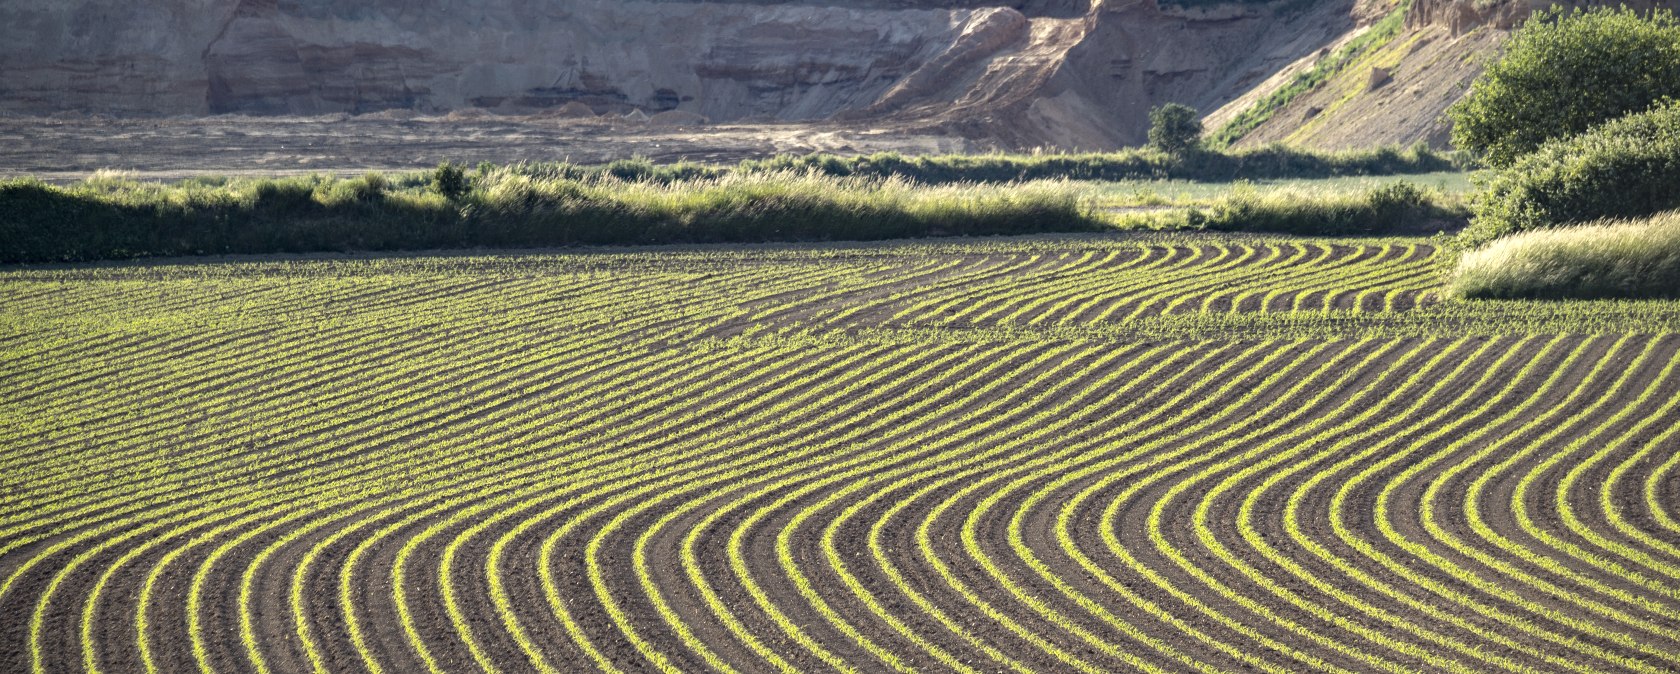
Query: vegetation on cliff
(1565, 72)
(1326, 69)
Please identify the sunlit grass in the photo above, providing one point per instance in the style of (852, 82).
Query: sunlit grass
(1632, 259)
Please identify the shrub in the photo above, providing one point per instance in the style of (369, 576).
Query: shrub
(1629, 259)
(1174, 129)
(1565, 72)
(1627, 168)
(450, 181)
(1391, 209)
(632, 170)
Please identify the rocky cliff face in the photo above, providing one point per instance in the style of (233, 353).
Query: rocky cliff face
(311, 56)
(725, 60)
(1071, 73)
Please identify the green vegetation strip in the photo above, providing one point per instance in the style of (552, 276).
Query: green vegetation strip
(112, 216)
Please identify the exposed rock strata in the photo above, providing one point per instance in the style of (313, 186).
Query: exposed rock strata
(1013, 73)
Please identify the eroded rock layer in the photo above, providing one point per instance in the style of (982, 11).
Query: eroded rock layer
(1070, 73)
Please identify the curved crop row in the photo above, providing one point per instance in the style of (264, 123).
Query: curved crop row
(903, 457)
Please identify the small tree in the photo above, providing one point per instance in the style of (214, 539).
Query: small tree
(450, 181)
(1175, 129)
(1563, 73)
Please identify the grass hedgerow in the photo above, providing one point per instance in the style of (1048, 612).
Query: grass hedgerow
(1630, 259)
(1393, 208)
(113, 216)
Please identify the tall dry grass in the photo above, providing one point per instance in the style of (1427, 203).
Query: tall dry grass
(1607, 259)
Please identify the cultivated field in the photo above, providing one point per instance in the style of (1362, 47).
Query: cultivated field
(1054, 454)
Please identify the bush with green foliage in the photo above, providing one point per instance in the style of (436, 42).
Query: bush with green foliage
(1399, 208)
(450, 180)
(1629, 167)
(1264, 163)
(1564, 72)
(1630, 259)
(1175, 129)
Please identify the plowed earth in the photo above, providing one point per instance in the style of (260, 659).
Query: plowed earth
(1055, 454)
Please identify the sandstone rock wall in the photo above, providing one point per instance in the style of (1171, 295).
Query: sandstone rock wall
(1137, 57)
(726, 61)
(1012, 73)
(107, 55)
(1089, 82)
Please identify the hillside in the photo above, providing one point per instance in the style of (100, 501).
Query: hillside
(1396, 90)
(1022, 74)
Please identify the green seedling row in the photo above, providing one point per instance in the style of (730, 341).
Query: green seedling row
(1093, 453)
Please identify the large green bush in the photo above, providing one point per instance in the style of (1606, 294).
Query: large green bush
(450, 181)
(1629, 167)
(1563, 73)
